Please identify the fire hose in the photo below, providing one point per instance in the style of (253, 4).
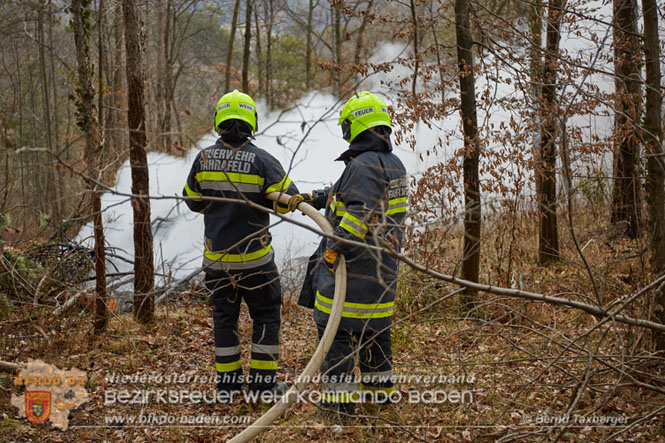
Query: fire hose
(265, 421)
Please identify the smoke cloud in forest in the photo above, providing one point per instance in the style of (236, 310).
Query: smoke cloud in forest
(306, 139)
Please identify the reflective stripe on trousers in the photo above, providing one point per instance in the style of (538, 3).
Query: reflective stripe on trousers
(231, 262)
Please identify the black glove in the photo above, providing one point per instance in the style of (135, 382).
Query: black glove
(295, 200)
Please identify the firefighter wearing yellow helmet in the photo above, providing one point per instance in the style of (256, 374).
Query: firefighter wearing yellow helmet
(367, 205)
(238, 258)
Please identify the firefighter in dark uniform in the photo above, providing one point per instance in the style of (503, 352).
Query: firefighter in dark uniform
(367, 204)
(238, 258)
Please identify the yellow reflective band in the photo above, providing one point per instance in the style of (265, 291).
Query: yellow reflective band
(399, 206)
(357, 305)
(280, 186)
(366, 315)
(394, 201)
(337, 207)
(350, 310)
(263, 364)
(353, 225)
(322, 308)
(220, 176)
(237, 258)
(191, 193)
(228, 367)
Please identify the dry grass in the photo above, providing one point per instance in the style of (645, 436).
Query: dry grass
(518, 360)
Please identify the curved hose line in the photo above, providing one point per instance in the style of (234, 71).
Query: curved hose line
(264, 422)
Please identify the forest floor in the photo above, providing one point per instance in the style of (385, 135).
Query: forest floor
(503, 370)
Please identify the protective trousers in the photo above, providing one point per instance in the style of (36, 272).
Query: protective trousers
(261, 290)
(340, 389)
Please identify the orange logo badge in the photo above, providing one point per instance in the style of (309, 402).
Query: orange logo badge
(37, 406)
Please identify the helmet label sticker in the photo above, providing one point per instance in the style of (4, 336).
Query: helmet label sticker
(398, 188)
(246, 106)
(223, 106)
(364, 111)
(227, 160)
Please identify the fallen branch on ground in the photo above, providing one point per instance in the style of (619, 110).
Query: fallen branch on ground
(68, 304)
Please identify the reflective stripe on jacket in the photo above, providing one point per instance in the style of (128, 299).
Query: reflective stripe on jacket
(367, 204)
(236, 236)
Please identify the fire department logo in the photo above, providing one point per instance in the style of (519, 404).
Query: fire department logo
(50, 393)
(37, 406)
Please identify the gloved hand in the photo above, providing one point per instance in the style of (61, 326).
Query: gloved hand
(330, 258)
(295, 200)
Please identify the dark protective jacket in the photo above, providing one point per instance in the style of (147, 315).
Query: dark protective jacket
(367, 204)
(236, 235)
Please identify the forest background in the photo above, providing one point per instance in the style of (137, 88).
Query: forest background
(560, 207)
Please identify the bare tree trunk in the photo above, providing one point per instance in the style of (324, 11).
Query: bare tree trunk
(535, 89)
(308, 48)
(414, 23)
(336, 6)
(269, 87)
(167, 80)
(248, 40)
(46, 105)
(472, 214)
(653, 128)
(626, 193)
(437, 48)
(360, 41)
(259, 54)
(101, 61)
(143, 263)
(59, 191)
(160, 92)
(101, 315)
(23, 184)
(116, 137)
(548, 240)
(37, 191)
(85, 96)
(229, 53)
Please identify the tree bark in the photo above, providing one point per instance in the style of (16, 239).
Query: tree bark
(336, 12)
(360, 41)
(52, 199)
(548, 239)
(437, 47)
(167, 91)
(229, 53)
(117, 141)
(472, 210)
(308, 48)
(86, 122)
(246, 49)
(259, 54)
(268, 82)
(143, 252)
(416, 64)
(653, 128)
(536, 76)
(160, 93)
(59, 192)
(626, 193)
